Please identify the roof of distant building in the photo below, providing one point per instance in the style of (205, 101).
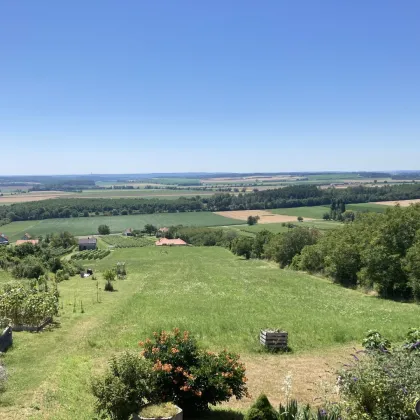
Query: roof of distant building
(165, 241)
(85, 241)
(27, 241)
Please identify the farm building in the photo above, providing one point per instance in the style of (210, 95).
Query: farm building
(4, 240)
(128, 232)
(27, 241)
(162, 232)
(170, 242)
(87, 243)
(26, 237)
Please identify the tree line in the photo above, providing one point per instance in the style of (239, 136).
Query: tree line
(291, 196)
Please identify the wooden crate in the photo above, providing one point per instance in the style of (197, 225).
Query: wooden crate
(273, 339)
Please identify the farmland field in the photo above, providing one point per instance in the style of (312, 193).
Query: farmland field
(315, 212)
(141, 193)
(366, 207)
(402, 203)
(222, 299)
(89, 225)
(279, 228)
(264, 216)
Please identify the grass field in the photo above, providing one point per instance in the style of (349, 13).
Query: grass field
(366, 207)
(89, 225)
(279, 228)
(222, 299)
(141, 193)
(315, 212)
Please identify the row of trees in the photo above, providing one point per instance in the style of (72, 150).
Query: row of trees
(377, 251)
(32, 261)
(291, 196)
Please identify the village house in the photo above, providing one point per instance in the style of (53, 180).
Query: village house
(162, 232)
(4, 240)
(128, 232)
(27, 241)
(87, 243)
(170, 242)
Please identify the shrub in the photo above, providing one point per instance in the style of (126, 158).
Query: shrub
(125, 388)
(104, 230)
(190, 377)
(108, 287)
(413, 339)
(381, 385)
(26, 306)
(375, 341)
(262, 410)
(29, 267)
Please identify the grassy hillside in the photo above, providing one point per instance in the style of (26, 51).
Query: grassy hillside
(224, 300)
(89, 225)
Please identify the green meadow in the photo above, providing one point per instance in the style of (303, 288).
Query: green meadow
(89, 225)
(222, 299)
(316, 212)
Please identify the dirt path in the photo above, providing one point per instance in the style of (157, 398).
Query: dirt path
(310, 375)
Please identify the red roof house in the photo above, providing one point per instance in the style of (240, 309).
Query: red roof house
(170, 242)
(27, 241)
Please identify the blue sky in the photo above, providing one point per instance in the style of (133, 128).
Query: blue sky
(223, 85)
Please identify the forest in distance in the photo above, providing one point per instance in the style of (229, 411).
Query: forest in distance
(290, 196)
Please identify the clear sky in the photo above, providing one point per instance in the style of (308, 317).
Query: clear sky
(134, 86)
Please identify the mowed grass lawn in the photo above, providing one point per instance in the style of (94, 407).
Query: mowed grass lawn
(222, 299)
(89, 225)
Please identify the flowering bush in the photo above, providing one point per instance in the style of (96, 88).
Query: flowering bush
(381, 385)
(190, 377)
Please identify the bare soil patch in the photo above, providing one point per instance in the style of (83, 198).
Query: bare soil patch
(402, 203)
(265, 216)
(311, 374)
(25, 198)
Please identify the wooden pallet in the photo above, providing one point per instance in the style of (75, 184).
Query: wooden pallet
(273, 340)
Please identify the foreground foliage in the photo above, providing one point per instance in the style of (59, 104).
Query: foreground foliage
(25, 304)
(125, 388)
(191, 377)
(381, 385)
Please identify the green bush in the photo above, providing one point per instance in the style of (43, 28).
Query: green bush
(262, 410)
(27, 306)
(413, 339)
(375, 341)
(125, 388)
(190, 377)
